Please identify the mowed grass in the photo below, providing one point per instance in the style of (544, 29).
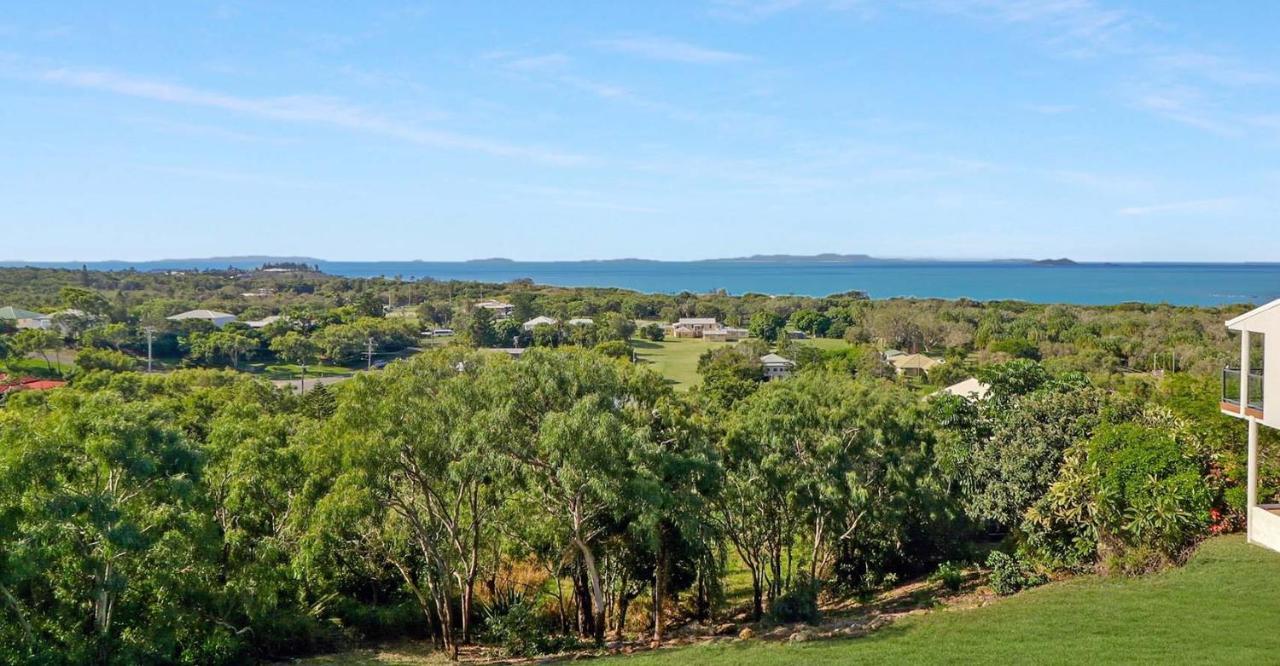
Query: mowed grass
(1219, 608)
(675, 358)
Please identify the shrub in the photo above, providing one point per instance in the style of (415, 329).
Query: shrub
(1011, 573)
(798, 604)
(949, 575)
(653, 332)
(105, 359)
(520, 630)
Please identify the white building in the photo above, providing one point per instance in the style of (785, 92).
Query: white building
(264, 322)
(970, 389)
(539, 321)
(725, 334)
(1244, 395)
(581, 321)
(498, 308)
(214, 317)
(776, 367)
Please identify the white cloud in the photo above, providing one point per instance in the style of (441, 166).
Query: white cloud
(302, 109)
(661, 48)
(1219, 205)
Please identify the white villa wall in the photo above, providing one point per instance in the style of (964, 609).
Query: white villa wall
(1264, 527)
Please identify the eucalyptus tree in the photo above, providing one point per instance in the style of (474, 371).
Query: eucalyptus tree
(823, 458)
(415, 482)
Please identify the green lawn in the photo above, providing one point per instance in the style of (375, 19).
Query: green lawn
(1216, 609)
(675, 358)
(287, 371)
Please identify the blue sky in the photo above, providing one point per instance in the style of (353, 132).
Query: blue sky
(668, 130)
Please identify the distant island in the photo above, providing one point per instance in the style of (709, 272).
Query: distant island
(1055, 262)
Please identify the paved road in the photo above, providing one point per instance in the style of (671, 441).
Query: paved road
(312, 382)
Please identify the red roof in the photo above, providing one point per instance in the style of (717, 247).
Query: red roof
(10, 385)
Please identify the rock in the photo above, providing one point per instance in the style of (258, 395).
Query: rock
(802, 636)
(726, 629)
(746, 634)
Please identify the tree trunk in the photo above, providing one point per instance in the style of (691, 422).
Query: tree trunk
(661, 578)
(597, 590)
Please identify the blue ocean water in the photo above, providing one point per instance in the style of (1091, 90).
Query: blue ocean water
(1176, 283)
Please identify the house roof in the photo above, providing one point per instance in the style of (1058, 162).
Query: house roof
(10, 312)
(201, 314)
(581, 321)
(1232, 323)
(264, 322)
(493, 305)
(10, 385)
(695, 321)
(914, 362)
(774, 359)
(541, 319)
(970, 388)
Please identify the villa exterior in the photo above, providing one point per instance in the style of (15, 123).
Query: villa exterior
(725, 334)
(214, 317)
(914, 365)
(970, 389)
(776, 367)
(498, 308)
(693, 327)
(1244, 392)
(541, 320)
(26, 318)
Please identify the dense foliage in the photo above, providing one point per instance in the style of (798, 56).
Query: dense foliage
(203, 515)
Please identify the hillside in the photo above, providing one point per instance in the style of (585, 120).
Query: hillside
(1213, 610)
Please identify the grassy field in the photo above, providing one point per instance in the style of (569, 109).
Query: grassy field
(1216, 609)
(677, 358)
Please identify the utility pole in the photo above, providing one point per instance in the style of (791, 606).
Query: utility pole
(150, 331)
(368, 354)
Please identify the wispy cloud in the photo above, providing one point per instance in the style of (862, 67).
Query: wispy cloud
(662, 48)
(299, 109)
(1186, 105)
(1219, 205)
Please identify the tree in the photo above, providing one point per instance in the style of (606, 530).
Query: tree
(39, 341)
(653, 332)
(295, 348)
(105, 359)
(100, 528)
(766, 325)
(418, 480)
(810, 321)
(85, 300)
(477, 328)
(618, 327)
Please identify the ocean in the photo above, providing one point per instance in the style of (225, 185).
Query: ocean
(1084, 283)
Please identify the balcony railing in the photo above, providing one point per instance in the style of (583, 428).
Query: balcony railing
(1231, 389)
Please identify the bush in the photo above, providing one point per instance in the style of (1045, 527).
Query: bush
(949, 575)
(105, 359)
(798, 604)
(1011, 573)
(521, 631)
(653, 332)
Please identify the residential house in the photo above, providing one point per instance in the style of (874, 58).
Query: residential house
(914, 365)
(725, 334)
(264, 322)
(693, 327)
(498, 308)
(540, 320)
(214, 317)
(796, 335)
(1244, 396)
(970, 389)
(581, 321)
(25, 318)
(776, 367)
